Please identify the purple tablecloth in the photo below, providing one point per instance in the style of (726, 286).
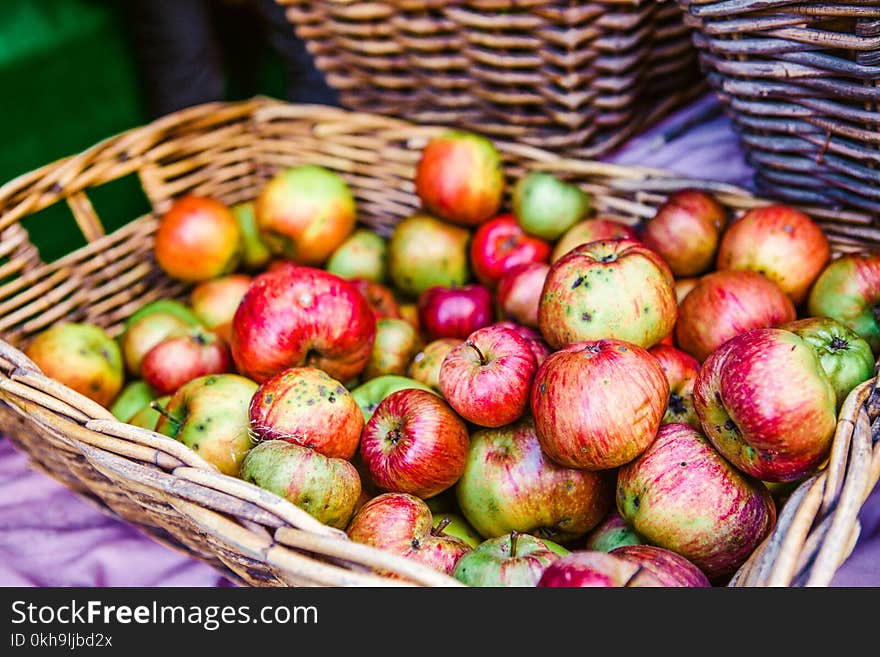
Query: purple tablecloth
(51, 537)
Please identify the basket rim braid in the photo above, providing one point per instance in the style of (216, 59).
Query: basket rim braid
(248, 534)
(801, 81)
(566, 77)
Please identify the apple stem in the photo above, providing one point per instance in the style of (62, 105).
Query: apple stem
(164, 413)
(438, 530)
(514, 535)
(632, 578)
(483, 360)
(838, 344)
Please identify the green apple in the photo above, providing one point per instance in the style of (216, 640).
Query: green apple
(326, 487)
(148, 416)
(363, 254)
(611, 533)
(209, 414)
(255, 254)
(546, 206)
(134, 396)
(509, 560)
(171, 306)
(456, 525)
(368, 394)
(144, 333)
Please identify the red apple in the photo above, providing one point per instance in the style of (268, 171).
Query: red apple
(509, 484)
(767, 405)
(425, 365)
(487, 378)
(380, 297)
(848, 290)
(306, 406)
(681, 371)
(198, 238)
(608, 289)
(519, 292)
(454, 312)
(669, 567)
(402, 524)
(539, 346)
(598, 405)
(180, 358)
(686, 230)
(591, 230)
(726, 303)
(460, 177)
(501, 244)
(414, 443)
(682, 495)
(592, 569)
(146, 332)
(301, 316)
(215, 301)
(779, 242)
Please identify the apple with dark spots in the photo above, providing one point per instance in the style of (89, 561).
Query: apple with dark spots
(766, 404)
(681, 370)
(682, 495)
(297, 316)
(593, 569)
(598, 404)
(608, 289)
(509, 484)
(425, 365)
(591, 230)
(511, 560)
(669, 567)
(612, 532)
(325, 487)
(306, 406)
(209, 415)
(368, 394)
(499, 245)
(182, 357)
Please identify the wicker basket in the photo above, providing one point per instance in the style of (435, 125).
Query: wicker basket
(167, 490)
(570, 77)
(802, 83)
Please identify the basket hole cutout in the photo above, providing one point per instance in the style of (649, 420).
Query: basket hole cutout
(119, 202)
(53, 231)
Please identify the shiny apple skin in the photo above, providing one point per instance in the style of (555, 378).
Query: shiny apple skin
(499, 245)
(681, 371)
(591, 569)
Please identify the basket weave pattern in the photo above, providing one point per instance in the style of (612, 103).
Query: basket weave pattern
(571, 77)
(802, 83)
(170, 492)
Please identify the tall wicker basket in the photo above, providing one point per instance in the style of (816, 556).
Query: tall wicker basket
(802, 83)
(168, 491)
(570, 77)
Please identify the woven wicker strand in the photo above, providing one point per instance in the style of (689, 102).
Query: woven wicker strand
(248, 534)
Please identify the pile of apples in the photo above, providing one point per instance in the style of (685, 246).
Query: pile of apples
(521, 395)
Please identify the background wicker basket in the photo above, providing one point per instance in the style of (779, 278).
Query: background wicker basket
(802, 83)
(168, 491)
(564, 76)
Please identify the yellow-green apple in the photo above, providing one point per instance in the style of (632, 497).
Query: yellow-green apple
(409, 310)
(686, 231)
(363, 254)
(593, 569)
(368, 394)
(209, 414)
(255, 255)
(163, 305)
(669, 567)
(402, 524)
(519, 292)
(683, 286)
(726, 303)
(499, 245)
(454, 523)
(306, 406)
(598, 404)
(198, 238)
(539, 346)
(325, 487)
(509, 484)
(424, 251)
(591, 230)
(846, 358)
(297, 316)
(487, 377)
(148, 416)
(83, 357)
(547, 206)
(511, 560)
(132, 398)
(215, 301)
(611, 533)
(414, 443)
(848, 290)
(380, 297)
(304, 213)
(145, 333)
(182, 357)
(397, 342)
(608, 289)
(682, 495)
(767, 405)
(425, 365)
(681, 371)
(460, 177)
(454, 312)
(779, 242)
